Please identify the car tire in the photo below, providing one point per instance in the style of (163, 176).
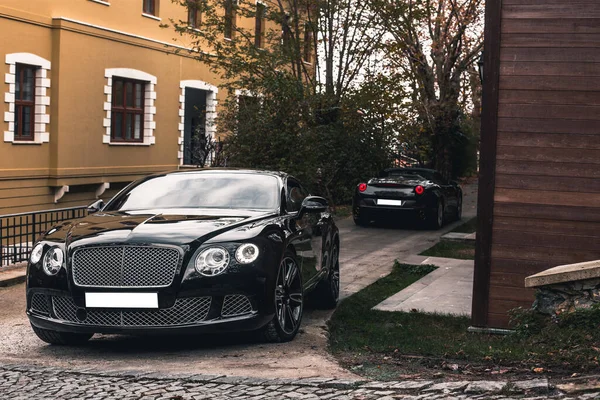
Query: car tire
(288, 291)
(458, 215)
(436, 216)
(61, 338)
(360, 217)
(327, 292)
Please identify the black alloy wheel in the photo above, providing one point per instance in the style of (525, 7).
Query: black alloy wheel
(327, 293)
(436, 216)
(289, 302)
(61, 338)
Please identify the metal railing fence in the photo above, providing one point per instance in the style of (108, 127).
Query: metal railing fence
(18, 232)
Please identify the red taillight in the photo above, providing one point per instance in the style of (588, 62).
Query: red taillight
(362, 187)
(419, 190)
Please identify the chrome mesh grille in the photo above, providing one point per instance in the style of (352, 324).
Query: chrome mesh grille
(185, 311)
(65, 309)
(125, 266)
(236, 305)
(39, 304)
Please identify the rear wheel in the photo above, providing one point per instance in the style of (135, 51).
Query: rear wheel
(360, 217)
(436, 216)
(288, 297)
(458, 215)
(61, 338)
(327, 293)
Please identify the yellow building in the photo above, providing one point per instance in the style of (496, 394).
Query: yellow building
(94, 97)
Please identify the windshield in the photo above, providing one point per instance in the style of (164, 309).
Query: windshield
(408, 177)
(410, 173)
(200, 190)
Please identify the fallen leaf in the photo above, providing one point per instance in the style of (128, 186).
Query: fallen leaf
(502, 371)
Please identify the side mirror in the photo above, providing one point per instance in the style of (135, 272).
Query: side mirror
(313, 204)
(96, 206)
(454, 183)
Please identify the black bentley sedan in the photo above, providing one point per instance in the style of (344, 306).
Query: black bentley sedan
(421, 192)
(186, 252)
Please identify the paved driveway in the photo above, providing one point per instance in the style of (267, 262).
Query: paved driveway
(366, 255)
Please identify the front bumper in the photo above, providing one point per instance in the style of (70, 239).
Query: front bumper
(239, 299)
(58, 311)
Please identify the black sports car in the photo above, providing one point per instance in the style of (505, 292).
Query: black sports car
(422, 192)
(186, 252)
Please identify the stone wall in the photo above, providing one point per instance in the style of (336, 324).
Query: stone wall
(567, 288)
(567, 297)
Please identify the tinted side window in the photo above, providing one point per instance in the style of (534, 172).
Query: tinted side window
(295, 196)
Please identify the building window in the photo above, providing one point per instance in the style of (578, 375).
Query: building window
(248, 104)
(211, 92)
(259, 25)
(27, 98)
(230, 16)
(308, 38)
(130, 107)
(127, 112)
(149, 7)
(194, 15)
(24, 102)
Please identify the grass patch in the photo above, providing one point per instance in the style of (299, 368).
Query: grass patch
(381, 344)
(468, 227)
(451, 249)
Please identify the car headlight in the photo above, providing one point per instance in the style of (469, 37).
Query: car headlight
(212, 261)
(53, 261)
(246, 253)
(36, 253)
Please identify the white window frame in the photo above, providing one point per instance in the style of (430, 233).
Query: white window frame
(42, 100)
(248, 93)
(211, 110)
(149, 104)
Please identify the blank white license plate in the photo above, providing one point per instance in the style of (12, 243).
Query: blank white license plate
(121, 300)
(383, 202)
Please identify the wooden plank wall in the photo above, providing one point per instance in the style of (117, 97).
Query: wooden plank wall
(547, 197)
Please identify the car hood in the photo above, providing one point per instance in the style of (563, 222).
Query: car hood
(177, 227)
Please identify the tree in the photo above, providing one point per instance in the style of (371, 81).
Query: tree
(311, 116)
(432, 45)
(323, 44)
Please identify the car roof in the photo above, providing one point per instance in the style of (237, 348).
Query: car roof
(279, 174)
(411, 169)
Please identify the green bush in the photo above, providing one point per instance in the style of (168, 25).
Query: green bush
(331, 149)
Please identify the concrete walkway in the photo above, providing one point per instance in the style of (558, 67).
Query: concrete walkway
(447, 290)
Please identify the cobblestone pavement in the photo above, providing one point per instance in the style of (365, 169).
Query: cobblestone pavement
(19, 382)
